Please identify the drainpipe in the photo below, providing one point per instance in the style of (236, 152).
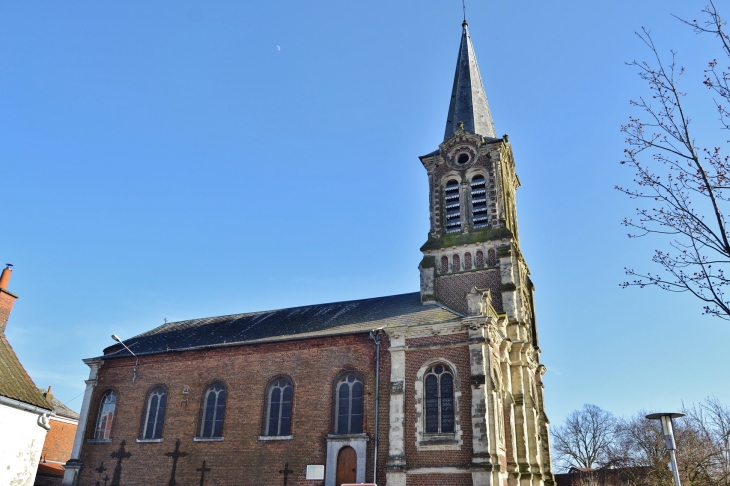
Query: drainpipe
(375, 336)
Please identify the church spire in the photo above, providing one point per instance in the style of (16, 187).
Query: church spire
(468, 99)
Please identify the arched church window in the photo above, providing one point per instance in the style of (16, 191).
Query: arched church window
(349, 393)
(457, 263)
(106, 416)
(444, 264)
(479, 210)
(480, 259)
(467, 261)
(154, 413)
(491, 257)
(214, 409)
(439, 387)
(278, 412)
(452, 207)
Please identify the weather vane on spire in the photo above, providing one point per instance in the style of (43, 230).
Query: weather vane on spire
(463, 6)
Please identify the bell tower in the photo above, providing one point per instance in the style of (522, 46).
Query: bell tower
(473, 240)
(472, 264)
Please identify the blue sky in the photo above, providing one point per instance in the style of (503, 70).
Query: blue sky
(188, 159)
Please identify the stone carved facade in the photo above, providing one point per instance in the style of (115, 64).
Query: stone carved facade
(510, 440)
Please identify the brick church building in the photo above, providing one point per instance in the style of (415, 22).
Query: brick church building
(437, 387)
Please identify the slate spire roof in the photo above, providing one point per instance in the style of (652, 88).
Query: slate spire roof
(468, 99)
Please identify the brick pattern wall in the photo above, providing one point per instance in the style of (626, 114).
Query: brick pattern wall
(439, 480)
(451, 290)
(241, 459)
(415, 360)
(59, 441)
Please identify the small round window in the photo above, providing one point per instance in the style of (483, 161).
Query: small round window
(463, 158)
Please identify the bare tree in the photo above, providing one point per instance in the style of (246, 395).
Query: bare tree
(688, 203)
(585, 438)
(703, 452)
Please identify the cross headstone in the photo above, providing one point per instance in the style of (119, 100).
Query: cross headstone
(202, 470)
(286, 472)
(106, 478)
(176, 454)
(119, 455)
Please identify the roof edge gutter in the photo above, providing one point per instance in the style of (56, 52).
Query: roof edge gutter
(228, 345)
(25, 406)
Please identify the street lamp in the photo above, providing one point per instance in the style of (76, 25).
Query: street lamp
(668, 432)
(136, 363)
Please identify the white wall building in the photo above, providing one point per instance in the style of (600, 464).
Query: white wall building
(24, 412)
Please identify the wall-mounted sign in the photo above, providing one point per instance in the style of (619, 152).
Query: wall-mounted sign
(315, 472)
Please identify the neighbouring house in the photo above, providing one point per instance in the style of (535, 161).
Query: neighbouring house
(24, 412)
(59, 442)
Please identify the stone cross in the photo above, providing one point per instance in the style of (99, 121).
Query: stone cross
(286, 472)
(202, 470)
(175, 456)
(119, 455)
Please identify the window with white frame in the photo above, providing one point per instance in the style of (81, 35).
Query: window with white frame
(278, 412)
(214, 409)
(439, 400)
(106, 416)
(154, 413)
(349, 408)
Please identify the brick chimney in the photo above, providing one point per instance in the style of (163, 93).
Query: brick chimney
(49, 396)
(7, 299)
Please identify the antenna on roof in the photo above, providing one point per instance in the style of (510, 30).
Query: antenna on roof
(463, 6)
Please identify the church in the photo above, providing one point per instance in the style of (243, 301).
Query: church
(437, 387)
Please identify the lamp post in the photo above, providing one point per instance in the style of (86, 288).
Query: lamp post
(668, 432)
(136, 363)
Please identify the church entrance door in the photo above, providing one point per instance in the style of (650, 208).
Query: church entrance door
(346, 466)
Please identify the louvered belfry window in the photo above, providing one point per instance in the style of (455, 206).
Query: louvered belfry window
(479, 212)
(214, 408)
(349, 405)
(439, 385)
(279, 410)
(452, 207)
(155, 414)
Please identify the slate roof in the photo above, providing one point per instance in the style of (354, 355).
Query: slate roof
(294, 323)
(468, 99)
(60, 408)
(14, 381)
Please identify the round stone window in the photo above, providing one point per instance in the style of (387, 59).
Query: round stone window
(462, 159)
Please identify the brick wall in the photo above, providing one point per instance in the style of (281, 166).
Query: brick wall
(439, 480)
(59, 441)
(451, 289)
(415, 360)
(241, 459)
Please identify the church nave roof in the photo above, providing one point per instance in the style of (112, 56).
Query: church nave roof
(352, 316)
